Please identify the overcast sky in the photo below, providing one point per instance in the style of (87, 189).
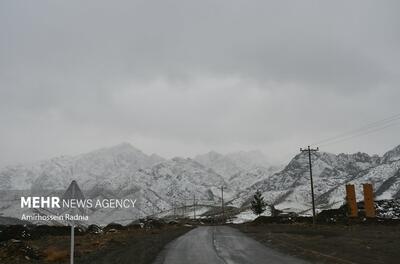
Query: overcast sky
(185, 77)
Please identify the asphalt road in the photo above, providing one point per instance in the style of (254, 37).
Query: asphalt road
(220, 245)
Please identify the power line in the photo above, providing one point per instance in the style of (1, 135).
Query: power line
(363, 133)
(358, 132)
(363, 128)
(284, 159)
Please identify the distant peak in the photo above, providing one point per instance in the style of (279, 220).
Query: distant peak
(392, 155)
(156, 158)
(124, 146)
(214, 153)
(255, 152)
(117, 149)
(155, 155)
(211, 155)
(180, 159)
(396, 149)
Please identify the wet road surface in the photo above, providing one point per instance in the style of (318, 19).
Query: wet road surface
(220, 245)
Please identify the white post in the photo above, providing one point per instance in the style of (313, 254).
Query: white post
(72, 242)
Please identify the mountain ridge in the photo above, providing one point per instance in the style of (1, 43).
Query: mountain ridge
(123, 171)
(289, 189)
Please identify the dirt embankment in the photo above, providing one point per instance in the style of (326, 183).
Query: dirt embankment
(362, 243)
(116, 246)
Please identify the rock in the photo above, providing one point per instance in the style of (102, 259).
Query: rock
(94, 229)
(113, 226)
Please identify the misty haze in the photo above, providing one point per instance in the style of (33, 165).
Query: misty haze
(233, 131)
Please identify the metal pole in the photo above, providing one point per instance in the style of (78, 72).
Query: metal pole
(72, 242)
(73, 194)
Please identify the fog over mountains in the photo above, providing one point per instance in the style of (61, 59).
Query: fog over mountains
(159, 184)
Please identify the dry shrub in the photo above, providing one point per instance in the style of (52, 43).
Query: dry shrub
(55, 254)
(96, 243)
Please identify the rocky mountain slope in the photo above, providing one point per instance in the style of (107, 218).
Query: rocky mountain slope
(289, 189)
(107, 166)
(160, 185)
(239, 169)
(114, 173)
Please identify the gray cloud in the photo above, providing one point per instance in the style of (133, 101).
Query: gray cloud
(181, 77)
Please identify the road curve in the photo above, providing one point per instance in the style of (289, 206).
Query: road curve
(220, 245)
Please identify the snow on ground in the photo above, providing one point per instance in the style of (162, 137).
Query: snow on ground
(247, 216)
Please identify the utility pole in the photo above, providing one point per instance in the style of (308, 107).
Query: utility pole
(184, 208)
(194, 206)
(222, 203)
(309, 150)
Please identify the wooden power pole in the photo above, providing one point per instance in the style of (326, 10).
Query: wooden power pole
(222, 203)
(309, 150)
(194, 207)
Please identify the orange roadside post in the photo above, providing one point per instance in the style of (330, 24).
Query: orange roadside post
(351, 200)
(369, 201)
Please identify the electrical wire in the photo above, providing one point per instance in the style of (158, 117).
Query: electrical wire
(361, 133)
(362, 129)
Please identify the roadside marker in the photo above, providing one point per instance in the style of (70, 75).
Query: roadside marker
(73, 192)
(369, 201)
(351, 200)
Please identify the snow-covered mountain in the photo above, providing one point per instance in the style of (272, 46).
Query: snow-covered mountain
(117, 172)
(100, 174)
(289, 189)
(239, 169)
(124, 172)
(175, 183)
(219, 163)
(107, 165)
